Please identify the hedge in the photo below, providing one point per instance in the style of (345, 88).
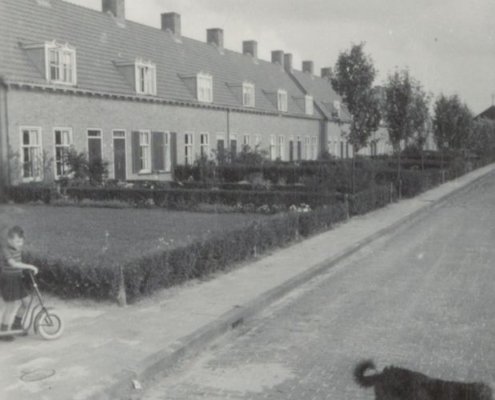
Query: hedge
(187, 199)
(28, 193)
(149, 272)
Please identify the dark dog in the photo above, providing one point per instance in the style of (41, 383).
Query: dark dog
(402, 384)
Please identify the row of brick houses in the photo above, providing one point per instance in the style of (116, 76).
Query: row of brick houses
(145, 99)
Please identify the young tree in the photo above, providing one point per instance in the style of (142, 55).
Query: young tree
(353, 78)
(421, 121)
(452, 124)
(405, 111)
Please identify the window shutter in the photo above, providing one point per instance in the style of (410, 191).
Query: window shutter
(173, 150)
(157, 151)
(136, 161)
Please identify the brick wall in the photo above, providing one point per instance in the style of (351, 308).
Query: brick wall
(52, 110)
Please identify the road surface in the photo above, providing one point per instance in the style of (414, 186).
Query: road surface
(421, 298)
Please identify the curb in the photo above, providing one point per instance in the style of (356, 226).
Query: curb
(164, 360)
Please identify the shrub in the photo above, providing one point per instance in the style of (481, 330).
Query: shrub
(29, 193)
(371, 199)
(192, 198)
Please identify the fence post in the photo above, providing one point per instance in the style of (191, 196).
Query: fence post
(391, 192)
(121, 295)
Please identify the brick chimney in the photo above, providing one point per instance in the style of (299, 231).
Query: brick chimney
(308, 66)
(326, 72)
(116, 7)
(278, 57)
(214, 36)
(171, 23)
(288, 62)
(250, 47)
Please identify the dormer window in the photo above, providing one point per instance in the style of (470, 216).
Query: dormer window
(282, 100)
(308, 105)
(145, 73)
(60, 63)
(248, 94)
(204, 83)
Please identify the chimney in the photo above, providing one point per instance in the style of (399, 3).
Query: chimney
(250, 47)
(116, 7)
(288, 62)
(171, 22)
(278, 57)
(326, 72)
(215, 36)
(308, 66)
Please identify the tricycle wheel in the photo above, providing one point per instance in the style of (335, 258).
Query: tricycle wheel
(49, 325)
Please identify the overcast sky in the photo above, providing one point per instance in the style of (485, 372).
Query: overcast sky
(448, 45)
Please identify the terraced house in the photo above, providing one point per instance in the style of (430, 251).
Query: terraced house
(145, 99)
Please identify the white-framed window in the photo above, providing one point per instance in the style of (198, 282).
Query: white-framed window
(31, 154)
(204, 143)
(204, 84)
(63, 141)
(248, 94)
(281, 147)
(246, 141)
(273, 148)
(60, 63)
(282, 100)
(118, 133)
(308, 105)
(145, 77)
(144, 152)
(167, 149)
(307, 148)
(188, 148)
(257, 140)
(314, 147)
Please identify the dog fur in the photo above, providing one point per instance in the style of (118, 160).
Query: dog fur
(395, 383)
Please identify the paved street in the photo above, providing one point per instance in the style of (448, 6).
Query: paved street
(422, 299)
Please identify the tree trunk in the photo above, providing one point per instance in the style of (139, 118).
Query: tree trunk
(353, 175)
(399, 183)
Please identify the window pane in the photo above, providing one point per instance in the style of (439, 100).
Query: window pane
(25, 137)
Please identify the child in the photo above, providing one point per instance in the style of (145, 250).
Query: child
(11, 281)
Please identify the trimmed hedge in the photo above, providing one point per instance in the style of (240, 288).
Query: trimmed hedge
(187, 199)
(371, 199)
(151, 272)
(148, 273)
(28, 193)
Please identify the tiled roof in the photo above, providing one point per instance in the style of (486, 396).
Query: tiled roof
(100, 42)
(488, 113)
(322, 92)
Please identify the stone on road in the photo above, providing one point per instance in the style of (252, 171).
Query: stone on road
(422, 298)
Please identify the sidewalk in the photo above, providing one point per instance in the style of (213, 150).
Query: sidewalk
(105, 347)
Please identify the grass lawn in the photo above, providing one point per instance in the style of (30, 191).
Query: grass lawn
(107, 236)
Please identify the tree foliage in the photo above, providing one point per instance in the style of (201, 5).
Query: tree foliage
(481, 141)
(452, 123)
(353, 78)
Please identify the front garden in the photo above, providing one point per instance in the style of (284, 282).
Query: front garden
(124, 241)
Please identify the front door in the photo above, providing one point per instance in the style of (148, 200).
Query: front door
(119, 158)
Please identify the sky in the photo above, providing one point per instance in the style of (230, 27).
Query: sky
(447, 45)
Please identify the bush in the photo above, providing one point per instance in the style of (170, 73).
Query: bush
(150, 272)
(29, 193)
(70, 279)
(192, 198)
(160, 270)
(371, 199)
